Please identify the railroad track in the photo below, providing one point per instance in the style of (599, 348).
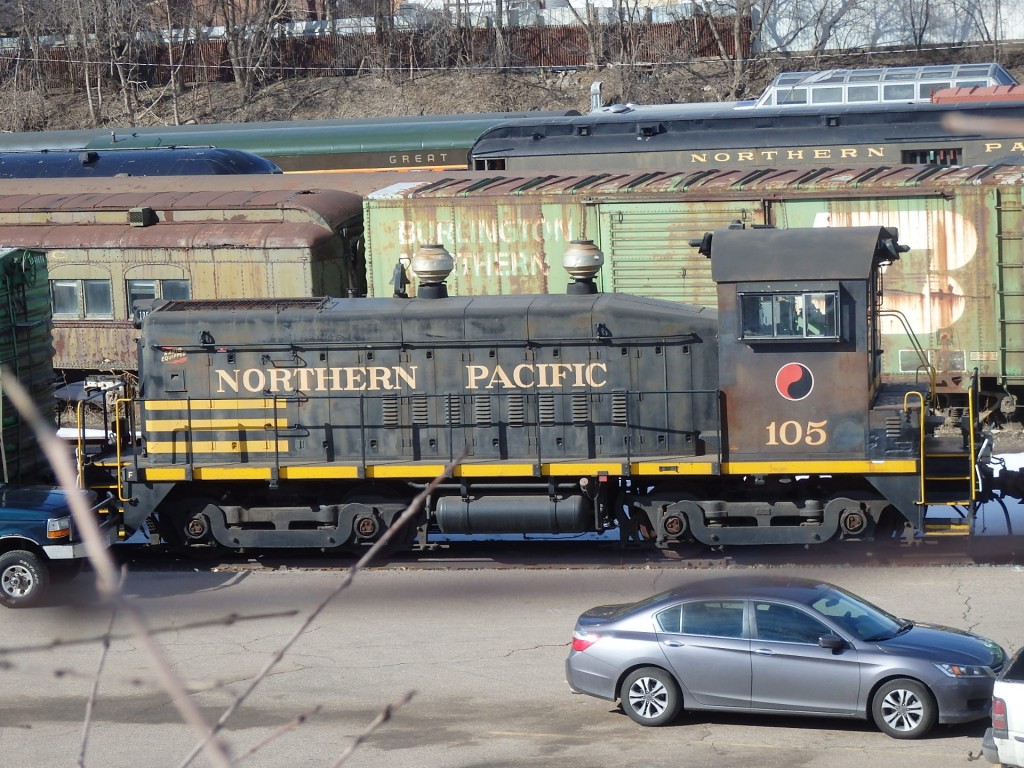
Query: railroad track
(952, 550)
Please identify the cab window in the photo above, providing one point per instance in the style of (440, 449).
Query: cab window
(789, 316)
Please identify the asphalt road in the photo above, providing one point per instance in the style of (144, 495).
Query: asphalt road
(483, 649)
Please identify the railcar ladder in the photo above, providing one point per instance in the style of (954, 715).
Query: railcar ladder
(948, 473)
(1010, 288)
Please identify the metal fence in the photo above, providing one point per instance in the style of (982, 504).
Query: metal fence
(437, 46)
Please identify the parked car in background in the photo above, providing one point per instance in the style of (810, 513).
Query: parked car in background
(39, 542)
(764, 644)
(1004, 741)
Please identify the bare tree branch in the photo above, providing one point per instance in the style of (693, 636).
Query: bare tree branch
(403, 520)
(107, 574)
(286, 728)
(223, 621)
(378, 721)
(91, 702)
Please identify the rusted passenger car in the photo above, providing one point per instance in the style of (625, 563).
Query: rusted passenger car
(109, 250)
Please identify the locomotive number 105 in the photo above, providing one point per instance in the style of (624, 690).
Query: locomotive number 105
(794, 433)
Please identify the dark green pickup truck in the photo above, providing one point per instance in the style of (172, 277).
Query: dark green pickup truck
(39, 543)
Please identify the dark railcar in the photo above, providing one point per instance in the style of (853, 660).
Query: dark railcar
(165, 161)
(686, 138)
(384, 143)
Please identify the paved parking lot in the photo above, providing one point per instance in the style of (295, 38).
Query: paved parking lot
(484, 649)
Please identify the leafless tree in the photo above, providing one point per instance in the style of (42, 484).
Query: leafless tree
(250, 30)
(588, 20)
(917, 16)
(748, 22)
(25, 83)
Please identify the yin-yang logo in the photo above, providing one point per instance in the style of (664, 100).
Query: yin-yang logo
(794, 381)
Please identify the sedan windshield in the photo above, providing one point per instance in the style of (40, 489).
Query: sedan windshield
(860, 618)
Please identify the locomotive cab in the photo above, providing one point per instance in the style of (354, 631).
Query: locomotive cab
(799, 339)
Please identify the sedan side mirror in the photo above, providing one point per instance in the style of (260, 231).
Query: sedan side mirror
(834, 642)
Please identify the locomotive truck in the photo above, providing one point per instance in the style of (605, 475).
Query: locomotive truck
(314, 422)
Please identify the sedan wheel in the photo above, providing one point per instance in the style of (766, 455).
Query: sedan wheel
(650, 696)
(904, 709)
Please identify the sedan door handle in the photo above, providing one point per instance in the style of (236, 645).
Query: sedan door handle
(764, 652)
(673, 643)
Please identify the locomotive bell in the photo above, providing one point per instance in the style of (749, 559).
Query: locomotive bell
(432, 264)
(582, 260)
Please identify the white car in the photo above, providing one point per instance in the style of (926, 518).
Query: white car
(1004, 741)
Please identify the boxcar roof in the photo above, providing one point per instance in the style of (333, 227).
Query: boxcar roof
(728, 182)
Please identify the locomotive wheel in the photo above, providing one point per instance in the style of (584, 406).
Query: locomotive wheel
(644, 525)
(889, 529)
(388, 502)
(197, 529)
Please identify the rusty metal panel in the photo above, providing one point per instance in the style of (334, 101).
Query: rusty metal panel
(502, 242)
(945, 285)
(648, 252)
(94, 345)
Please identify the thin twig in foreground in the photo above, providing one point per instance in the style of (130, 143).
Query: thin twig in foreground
(286, 728)
(104, 652)
(378, 721)
(406, 518)
(222, 621)
(108, 582)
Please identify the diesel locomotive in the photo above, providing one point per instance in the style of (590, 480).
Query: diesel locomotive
(315, 422)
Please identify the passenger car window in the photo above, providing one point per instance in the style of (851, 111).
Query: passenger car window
(81, 298)
(716, 618)
(783, 623)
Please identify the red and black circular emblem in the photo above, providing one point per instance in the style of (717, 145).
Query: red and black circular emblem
(794, 381)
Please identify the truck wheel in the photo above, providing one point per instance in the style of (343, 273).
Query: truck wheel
(23, 579)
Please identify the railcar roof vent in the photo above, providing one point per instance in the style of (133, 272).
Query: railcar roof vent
(582, 260)
(141, 217)
(432, 264)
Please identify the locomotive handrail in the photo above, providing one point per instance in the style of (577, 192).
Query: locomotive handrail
(972, 390)
(431, 344)
(449, 421)
(925, 365)
(117, 452)
(920, 438)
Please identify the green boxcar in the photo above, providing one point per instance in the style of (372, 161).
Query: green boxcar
(961, 288)
(26, 351)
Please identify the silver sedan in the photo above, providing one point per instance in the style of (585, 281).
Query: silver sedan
(764, 644)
